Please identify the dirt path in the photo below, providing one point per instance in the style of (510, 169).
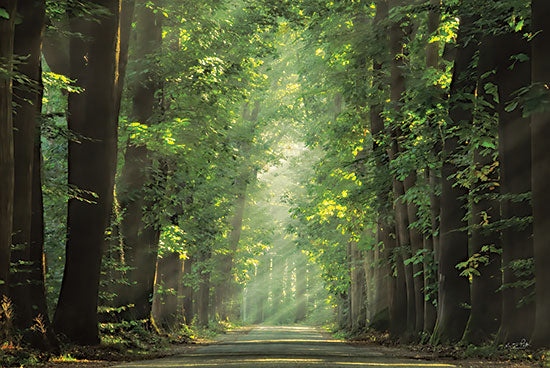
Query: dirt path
(295, 347)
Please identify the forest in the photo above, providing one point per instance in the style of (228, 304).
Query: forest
(374, 165)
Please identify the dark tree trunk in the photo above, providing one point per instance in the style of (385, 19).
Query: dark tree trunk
(397, 83)
(454, 290)
(486, 300)
(203, 300)
(6, 142)
(37, 256)
(126, 19)
(396, 294)
(515, 179)
(431, 242)
(358, 317)
(540, 152)
(165, 308)
(28, 99)
(187, 292)
(92, 163)
(140, 238)
(417, 243)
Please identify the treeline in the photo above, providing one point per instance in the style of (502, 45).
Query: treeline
(130, 138)
(428, 210)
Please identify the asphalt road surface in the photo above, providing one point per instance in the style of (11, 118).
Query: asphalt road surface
(285, 347)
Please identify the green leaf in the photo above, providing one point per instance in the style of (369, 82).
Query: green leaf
(511, 106)
(4, 14)
(487, 144)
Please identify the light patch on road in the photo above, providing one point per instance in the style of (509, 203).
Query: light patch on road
(271, 361)
(396, 364)
(278, 341)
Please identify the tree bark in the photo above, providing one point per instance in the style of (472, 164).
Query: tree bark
(187, 291)
(454, 293)
(431, 242)
(92, 163)
(397, 83)
(515, 179)
(540, 153)
(417, 244)
(203, 300)
(358, 317)
(28, 99)
(165, 304)
(486, 301)
(140, 237)
(6, 141)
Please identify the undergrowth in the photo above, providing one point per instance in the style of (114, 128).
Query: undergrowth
(127, 341)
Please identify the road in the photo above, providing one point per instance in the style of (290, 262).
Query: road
(285, 347)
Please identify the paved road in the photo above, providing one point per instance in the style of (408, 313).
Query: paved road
(285, 347)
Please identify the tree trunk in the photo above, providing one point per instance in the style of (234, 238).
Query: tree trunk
(187, 291)
(37, 256)
(140, 237)
(28, 99)
(203, 301)
(358, 317)
(431, 241)
(397, 83)
(165, 302)
(126, 18)
(396, 292)
(92, 163)
(486, 300)
(301, 289)
(540, 153)
(417, 244)
(454, 290)
(515, 179)
(6, 142)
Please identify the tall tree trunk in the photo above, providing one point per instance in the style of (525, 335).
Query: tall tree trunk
(397, 83)
(540, 153)
(234, 238)
(6, 141)
(301, 289)
(203, 300)
(486, 301)
(454, 290)
(92, 162)
(165, 303)
(187, 291)
(28, 99)
(358, 317)
(396, 293)
(515, 179)
(227, 290)
(127, 10)
(417, 244)
(37, 256)
(431, 241)
(140, 238)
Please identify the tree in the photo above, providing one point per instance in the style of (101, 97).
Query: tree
(454, 291)
(28, 99)
(92, 116)
(540, 156)
(514, 146)
(140, 231)
(7, 23)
